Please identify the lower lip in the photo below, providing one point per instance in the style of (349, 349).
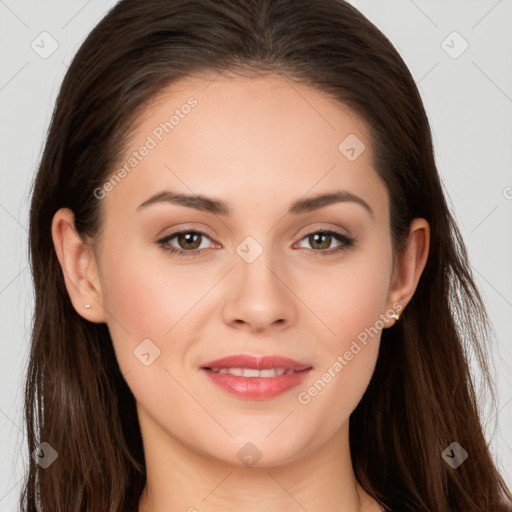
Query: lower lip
(257, 388)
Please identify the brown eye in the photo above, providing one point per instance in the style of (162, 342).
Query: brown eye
(320, 242)
(189, 240)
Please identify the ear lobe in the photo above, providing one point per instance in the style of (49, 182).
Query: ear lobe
(410, 264)
(79, 267)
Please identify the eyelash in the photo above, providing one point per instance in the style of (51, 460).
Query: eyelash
(346, 243)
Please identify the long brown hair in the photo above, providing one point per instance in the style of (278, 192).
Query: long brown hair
(421, 397)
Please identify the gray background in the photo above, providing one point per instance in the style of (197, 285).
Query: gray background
(468, 97)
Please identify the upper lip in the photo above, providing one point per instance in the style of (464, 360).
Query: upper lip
(257, 362)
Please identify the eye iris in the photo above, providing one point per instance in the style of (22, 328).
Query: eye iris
(187, 238)
(313, 239)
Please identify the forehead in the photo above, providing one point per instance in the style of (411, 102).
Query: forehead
(238, 137)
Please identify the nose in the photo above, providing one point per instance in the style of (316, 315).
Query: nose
(260, 295)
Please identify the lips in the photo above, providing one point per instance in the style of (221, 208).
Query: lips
(257, 363)
(256, 378)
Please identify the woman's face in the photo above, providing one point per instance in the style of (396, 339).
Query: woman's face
(275, 274)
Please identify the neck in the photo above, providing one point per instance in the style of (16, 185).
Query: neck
(179, 478)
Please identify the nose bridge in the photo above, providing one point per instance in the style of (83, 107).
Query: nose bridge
(259, 296)
(257, 267)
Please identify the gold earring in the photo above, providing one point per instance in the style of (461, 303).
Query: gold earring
(395, 316)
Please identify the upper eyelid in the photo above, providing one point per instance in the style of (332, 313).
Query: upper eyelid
(178, 232)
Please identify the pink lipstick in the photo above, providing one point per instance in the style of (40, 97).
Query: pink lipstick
(256, 378)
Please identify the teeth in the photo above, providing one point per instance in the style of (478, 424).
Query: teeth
(251, 372)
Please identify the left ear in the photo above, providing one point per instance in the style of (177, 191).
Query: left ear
(410, 264)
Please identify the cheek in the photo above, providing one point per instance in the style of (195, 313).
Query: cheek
(145, 300)
(147, 292)
(352, 309)
(335, 391)
(350, 298)
(347, 356)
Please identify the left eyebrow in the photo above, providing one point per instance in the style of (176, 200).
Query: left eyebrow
(320, 201)
(219, 207)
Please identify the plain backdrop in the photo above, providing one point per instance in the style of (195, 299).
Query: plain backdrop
(460, 54)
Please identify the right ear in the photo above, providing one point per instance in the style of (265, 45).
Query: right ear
(79, 267)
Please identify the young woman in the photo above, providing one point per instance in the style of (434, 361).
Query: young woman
(250, 291)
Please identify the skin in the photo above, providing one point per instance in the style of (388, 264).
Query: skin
(258, 144)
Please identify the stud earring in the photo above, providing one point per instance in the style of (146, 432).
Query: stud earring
(87, 306)
(394, 315)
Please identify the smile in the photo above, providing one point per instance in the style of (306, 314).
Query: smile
(256, 377)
